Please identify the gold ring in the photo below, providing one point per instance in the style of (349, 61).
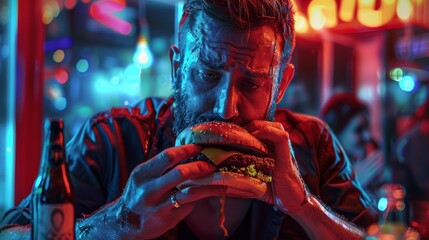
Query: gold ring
(174, 200)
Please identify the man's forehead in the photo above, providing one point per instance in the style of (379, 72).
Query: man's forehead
(215, 30)
(220, 42)
(252, 60)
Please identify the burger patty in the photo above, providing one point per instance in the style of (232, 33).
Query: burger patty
(248, 165)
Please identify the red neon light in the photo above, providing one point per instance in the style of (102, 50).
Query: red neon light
(70, 4)
(104, 12)
(61, 75)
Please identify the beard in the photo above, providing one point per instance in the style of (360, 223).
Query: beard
(184, 116)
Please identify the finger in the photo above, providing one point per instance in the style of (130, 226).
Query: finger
(268, 196)
(165, 160)
(196, 193)
(258, 124)
(172, 215)
(271, 135)
(282, 149)
(236, 187)
(183, 172)
(286, 176)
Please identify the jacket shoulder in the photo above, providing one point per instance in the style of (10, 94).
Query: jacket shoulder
(291, 119)
(145, 109)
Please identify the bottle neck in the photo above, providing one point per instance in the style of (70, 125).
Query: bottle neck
(53, 157)
(54, 148)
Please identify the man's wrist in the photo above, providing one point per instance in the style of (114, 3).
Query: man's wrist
(292, 210)
(18, 232)
(316, 219)
(102, 224)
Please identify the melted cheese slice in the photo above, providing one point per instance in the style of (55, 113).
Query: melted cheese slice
(217, 155)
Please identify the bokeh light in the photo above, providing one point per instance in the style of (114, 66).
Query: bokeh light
(317, 18)
(396, 74)
(60, 103)
(382, 204)
(58, 56)
(101, 86)
(404, 9)
(53, 92)
(61, 75)
(143, 56)
(82, 65)
(69, 4)
(407, 83)
(400, 205)
(301, 24)
(51, 10)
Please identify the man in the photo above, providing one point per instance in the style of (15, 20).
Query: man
(350, 121)
(232, 64)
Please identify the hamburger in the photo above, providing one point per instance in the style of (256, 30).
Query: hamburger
(243, 162)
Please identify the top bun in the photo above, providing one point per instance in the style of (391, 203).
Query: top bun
(222, 134)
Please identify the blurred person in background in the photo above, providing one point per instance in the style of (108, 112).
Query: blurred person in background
(413, 153)
(349, 119)
(411, 168)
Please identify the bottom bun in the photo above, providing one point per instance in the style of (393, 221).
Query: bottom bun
(236, 185)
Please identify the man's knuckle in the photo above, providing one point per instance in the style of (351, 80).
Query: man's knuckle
(165, 155)
(179, 172)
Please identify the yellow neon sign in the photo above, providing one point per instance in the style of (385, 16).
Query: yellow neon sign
(367, 13)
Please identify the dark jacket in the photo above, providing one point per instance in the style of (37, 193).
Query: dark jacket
(110, 144)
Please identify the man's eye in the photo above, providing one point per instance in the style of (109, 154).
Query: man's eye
(207, 76)
(251, 85)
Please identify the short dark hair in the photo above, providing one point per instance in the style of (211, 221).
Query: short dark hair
(245, 14)
(340, 109)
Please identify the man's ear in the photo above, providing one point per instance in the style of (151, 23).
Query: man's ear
(174, 55)
(284, 83)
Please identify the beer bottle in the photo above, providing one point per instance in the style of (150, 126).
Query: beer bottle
(52, 205)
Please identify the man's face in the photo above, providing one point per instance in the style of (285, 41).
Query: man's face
(355, 136)
(226, 74)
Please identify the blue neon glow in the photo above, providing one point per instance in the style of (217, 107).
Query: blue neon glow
(132, 74)
(60, 103)
(126, 81)
(143, 56)
(11, 32)
(60, 43)
(407, 83)
(82, 65)
(382, 204)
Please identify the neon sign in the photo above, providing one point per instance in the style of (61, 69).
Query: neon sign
(104, 12)
(342, 14)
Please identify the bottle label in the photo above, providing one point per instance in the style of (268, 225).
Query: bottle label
(55, 222)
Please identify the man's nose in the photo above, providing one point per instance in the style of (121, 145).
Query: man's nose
(366, 135)
(226, 102)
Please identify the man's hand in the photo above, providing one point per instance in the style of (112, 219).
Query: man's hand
(288, 190)
(145, 210)
(148, 190)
